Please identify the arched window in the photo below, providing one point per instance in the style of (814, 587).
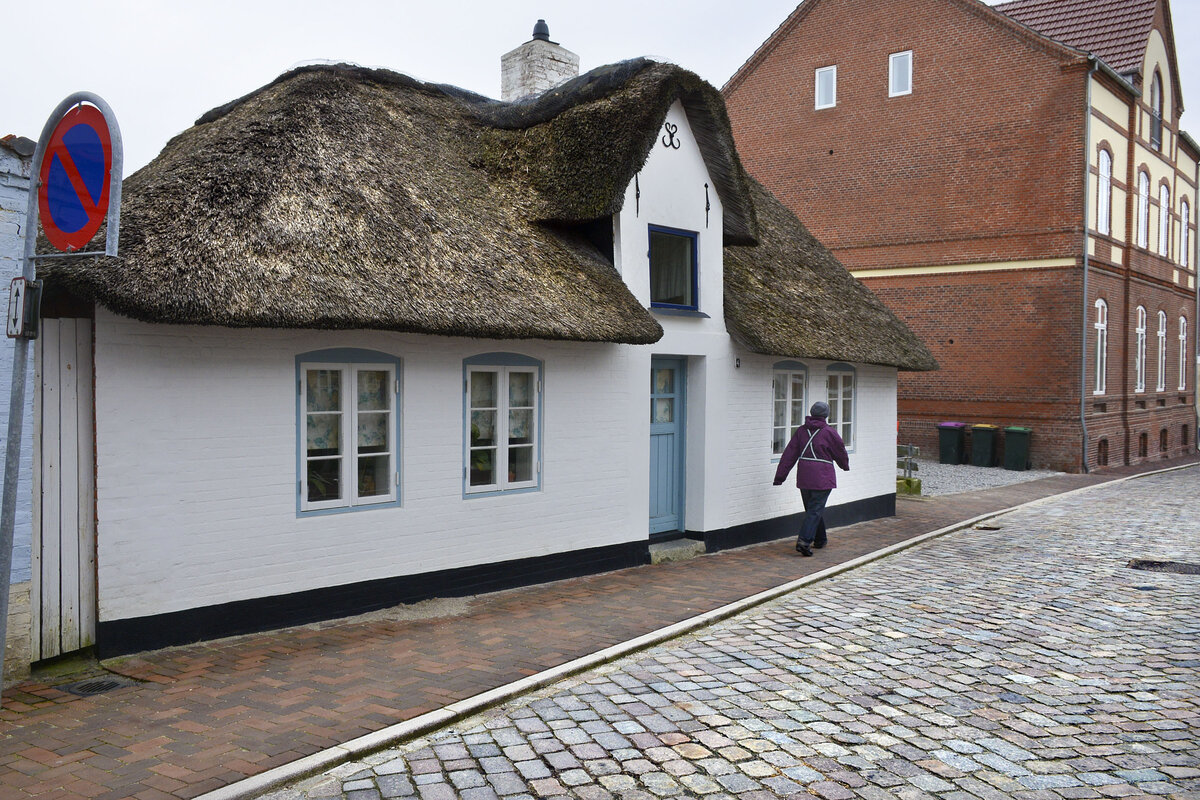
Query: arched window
(1156, 112)
(1183, 353)
(1185, 239)
(1164, 220)
(839, 381)
(1140, 353)
(1143, 210)
(1162, 352)
(790, 389)
(1101, 326)
(1104, 198)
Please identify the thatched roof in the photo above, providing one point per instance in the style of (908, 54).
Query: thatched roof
(344, 197)
(789, 296)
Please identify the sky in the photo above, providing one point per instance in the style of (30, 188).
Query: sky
(168, 62)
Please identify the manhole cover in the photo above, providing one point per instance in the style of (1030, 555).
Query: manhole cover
(1177, 567)
(94, 686)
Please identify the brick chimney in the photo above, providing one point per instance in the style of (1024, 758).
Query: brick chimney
(536, 66)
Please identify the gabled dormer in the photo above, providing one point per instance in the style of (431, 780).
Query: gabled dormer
(669, 235)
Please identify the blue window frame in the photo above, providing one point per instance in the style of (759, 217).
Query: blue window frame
(502, 424)
(840, 382)
(347, 430)
(674, 268)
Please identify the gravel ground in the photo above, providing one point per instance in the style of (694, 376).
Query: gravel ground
(939, 479)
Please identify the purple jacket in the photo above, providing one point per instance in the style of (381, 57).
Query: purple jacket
(827, 446)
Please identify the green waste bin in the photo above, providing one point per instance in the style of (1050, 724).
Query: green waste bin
(1016, 448)
(983, 445)
(950, 442)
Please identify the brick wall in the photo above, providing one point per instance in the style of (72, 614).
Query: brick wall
(1004, 340)
(981, 163)
(952, 173)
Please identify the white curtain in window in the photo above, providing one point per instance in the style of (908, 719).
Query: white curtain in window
(1101, 326)
(1104, 199)
(1164, 221)
(1143, 213)
(1140, 354)
(1183, 353)
(1185, 239)
(1162, 352)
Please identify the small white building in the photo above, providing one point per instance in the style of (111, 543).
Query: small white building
(372, 340)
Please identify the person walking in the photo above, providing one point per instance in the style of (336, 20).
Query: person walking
(814, 449)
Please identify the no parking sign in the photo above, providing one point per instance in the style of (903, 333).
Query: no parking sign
(77, 166)
(74, 182)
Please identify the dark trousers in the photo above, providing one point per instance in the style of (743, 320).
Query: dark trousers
(812, 529)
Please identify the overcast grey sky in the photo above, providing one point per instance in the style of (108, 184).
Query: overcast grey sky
(160, 65)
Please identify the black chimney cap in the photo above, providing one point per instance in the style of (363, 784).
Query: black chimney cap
(541, 31)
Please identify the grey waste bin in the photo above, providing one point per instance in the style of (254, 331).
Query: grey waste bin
(950, 442)
(1016, 447)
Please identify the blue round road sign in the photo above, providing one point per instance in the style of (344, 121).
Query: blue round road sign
(75, 177)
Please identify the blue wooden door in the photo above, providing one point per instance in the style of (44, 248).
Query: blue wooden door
(666, 444)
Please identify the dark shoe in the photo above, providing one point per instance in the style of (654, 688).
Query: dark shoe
(818, 545)
(803, 549)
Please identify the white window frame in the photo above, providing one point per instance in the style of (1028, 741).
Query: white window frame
(900, 65)
(1164, 220)
(832, 100)
(348, 435)
(502, 366)
(1140, 352)
(1185, 229)
(1143, 210)
(1104, 195)
(1161, 383)
(785, 373)
(1101, 326)
(845, 395)
(1183, 353)
(1156, 111)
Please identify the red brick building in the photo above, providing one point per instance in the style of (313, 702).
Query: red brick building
(1013, 181)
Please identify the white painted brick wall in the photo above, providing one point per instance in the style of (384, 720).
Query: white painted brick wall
(14, 188)
(197, 466)
(752, 465)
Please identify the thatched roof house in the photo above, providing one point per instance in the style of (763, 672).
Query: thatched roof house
(371, 340)
(344, 197)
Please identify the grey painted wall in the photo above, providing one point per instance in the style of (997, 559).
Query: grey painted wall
(14, 189)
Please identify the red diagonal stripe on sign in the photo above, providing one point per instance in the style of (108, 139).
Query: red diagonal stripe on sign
(85, 197)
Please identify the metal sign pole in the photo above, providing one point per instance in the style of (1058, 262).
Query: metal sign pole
(16, 408)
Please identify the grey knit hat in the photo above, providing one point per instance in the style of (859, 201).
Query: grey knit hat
(819, 409)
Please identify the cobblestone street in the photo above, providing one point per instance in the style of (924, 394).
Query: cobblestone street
(1027, 662)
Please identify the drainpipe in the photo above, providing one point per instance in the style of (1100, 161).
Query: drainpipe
(1087, 193)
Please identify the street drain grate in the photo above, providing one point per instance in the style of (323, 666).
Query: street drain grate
(1177, 567)
(988, 526)
(94, 686)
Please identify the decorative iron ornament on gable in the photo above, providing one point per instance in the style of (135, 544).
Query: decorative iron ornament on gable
(669, 140)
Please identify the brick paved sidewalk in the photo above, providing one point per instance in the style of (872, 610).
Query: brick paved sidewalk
(207, 715)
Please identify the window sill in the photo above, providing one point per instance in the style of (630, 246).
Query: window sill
(678, 312)
(321, 512)
(500, 492)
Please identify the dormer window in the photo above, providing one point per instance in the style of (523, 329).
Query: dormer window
(673, 268)
(1156, 112)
